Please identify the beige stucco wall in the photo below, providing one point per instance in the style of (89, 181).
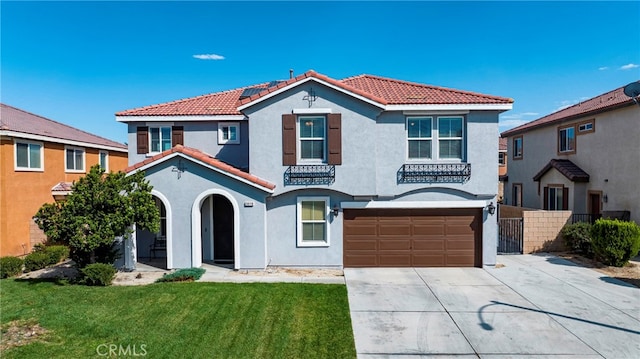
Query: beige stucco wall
(610, 155)
(542, 230)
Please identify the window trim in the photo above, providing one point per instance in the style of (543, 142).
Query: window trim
(299, 241)
(160, 127)
(461, 138)
(575, 140)
(221, 140)
(15, 155)
(518, 156)
(591, 122)
(84, 159)
(409, 139)
(106, 159)
(435, 138)
(556, 188)
(504, 158)
(299, 140)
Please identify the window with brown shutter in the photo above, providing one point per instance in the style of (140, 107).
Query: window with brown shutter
(289, 140)
(177, 135)
(334, 139)
(142, 140)
(565, 198)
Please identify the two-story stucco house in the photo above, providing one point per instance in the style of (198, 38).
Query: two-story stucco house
(312, 171)
(584, 158)
(39, 160)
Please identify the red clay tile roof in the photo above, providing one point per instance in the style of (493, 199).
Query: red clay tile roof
(62, 187)
(502, 144)
(384, 91)
(16, 120)
(605, 102)
(567, 168)
(208, 159)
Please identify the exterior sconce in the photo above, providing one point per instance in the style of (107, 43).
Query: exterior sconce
(605, 199)
(335, 210)
(491, 208)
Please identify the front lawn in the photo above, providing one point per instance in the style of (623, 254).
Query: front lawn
(179, 320)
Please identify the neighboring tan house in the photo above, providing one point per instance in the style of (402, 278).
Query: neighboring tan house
(502, 167)
(365, 171)
(584, 158)
(40, 159)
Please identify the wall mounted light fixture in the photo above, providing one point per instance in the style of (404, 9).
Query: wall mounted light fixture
(605, 199)
(335, 210)
(491, 208)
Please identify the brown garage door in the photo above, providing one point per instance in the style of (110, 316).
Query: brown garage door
(412, 237)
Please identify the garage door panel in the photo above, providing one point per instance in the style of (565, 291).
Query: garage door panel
(429, 244)
(395, 244)
(428, 260)
(362, 260)
(362, 244)
(394, 230)
(460, 244)
(460, 259)
(360, 229)
(395, 260)
(429, 230)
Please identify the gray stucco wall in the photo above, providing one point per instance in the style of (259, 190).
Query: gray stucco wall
(203, 136)
(182, 193)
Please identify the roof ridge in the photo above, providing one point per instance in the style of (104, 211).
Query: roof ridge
(63, 124)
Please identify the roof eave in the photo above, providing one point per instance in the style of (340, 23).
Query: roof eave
(29, 136)
(451, 107)
(178, 118)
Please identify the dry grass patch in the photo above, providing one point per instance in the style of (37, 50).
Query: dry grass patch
(21, 332)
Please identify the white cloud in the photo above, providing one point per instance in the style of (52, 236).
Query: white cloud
(511, 123)
(603, 68)
(209, 57)
(629, 66)
(530, 114)
(518, 116)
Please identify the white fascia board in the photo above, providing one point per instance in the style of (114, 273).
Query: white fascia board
(433, 112)
(154, 163)
(181, 118)
(28, 136)
(311, 111)
(452, 107)
(298, 83)
(415, 204)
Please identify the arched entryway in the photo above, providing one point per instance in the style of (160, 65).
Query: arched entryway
(217, 230)
(153, 249)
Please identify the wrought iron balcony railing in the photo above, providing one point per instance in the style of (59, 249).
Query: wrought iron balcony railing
(310, 175)
(434, 173)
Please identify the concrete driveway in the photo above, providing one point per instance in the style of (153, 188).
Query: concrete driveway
(534, 306)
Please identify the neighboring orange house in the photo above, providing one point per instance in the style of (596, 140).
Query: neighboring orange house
(39, 159)
(502, 167)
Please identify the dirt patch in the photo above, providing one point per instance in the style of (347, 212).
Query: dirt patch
(136, 278)
(21, 332)
(292, 272)
(629, 273)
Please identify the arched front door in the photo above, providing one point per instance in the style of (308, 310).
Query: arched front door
(217, 230)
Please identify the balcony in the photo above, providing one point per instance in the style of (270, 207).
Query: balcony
(306, 175)
(434, 173)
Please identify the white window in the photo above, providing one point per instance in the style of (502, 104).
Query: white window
(159, 139)
(74, 159)
(555, 199)
(442, 139)
(228, 133)
(28, 156)
(313, 229)
(419, 137)
(312, 138)
(586, 127)
(502, 158)
(104, 160)
(567, 139)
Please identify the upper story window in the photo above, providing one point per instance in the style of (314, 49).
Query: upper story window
(159, 139)
(586, 127)
(444, 142)
(502, 158)
(312, 136)
(154, 139)
(517, 148)
(74, 159)
(313, 229)
(228, 133)
(419, 133)
(28, 156)
(567, 140)
(103, 157)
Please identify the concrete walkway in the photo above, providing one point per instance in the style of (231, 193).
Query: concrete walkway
(534, 306)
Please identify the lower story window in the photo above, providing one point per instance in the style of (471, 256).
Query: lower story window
(555, 199)
(313, 229)
(517, 195)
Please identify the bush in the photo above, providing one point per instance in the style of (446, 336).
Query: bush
(100, 274)
(577, 237)
(57, 253)
(10, 266)
(183, 275)
(36, 260)
(615, 242)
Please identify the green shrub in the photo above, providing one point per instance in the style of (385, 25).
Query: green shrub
(100, 274)
(577, 237)
(615, 242)
(36, 260)
(57, 253)
(183, 275)
(10, 266)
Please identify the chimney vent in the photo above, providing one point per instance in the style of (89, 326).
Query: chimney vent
(290, 73)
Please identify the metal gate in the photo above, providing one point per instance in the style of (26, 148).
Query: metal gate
(510, 235)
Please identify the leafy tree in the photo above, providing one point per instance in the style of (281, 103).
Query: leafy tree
(100, 208)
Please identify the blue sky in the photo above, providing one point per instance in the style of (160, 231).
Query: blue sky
(80, 62)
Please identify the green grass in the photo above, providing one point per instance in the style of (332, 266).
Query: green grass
(182, 320)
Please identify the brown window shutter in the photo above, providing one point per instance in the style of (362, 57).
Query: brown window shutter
(545, 201)
(289, 157)
(565, 198)
(177, 135)
(334, 139)
(142, 140)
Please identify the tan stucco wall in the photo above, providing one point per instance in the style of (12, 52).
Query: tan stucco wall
(542, 230)
(23, 192)
(610, 155)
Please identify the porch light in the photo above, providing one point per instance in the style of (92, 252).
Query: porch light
(605, 199)
(335, 210)
(491, 208)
